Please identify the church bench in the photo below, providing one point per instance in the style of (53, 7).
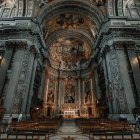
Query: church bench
(20, 139)
(112, 133)
(52, 127)
(119, 139)
(26, 134)
(88, 129)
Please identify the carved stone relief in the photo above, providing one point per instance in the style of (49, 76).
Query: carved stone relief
(21, 85)
(117, 87)
(131, 8)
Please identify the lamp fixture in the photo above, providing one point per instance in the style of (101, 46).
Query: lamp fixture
(1, 57)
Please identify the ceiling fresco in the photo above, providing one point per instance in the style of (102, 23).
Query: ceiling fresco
(69, 21)
(69, 54)
(70, 35)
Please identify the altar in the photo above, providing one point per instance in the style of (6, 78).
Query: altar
(69, 111)
(69, 114)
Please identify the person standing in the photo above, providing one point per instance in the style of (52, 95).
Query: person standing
(20, 117)
(10, 119)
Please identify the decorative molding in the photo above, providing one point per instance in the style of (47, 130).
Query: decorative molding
(25, 32)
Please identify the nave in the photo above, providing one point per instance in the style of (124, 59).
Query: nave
(70, 129)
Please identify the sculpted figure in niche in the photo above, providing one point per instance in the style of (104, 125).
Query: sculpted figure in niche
(88, 97)
(50, 96)
(69, 96)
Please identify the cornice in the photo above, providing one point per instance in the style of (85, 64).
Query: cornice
(22, 30)
(115, 34)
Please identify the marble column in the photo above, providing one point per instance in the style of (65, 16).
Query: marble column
(22, 84)
(107, 71)
(120, 104)
(125, 79)
(41, 90)
(4, 66)
(45, 96)
(12, 86)
(59, 94)
(29, 78)
(134, 72)
(79, 91)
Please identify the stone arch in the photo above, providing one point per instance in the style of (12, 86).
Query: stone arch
(70, 33)
(124, 8)
(81, 7)
(131, 8)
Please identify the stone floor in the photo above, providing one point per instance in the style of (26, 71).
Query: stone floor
(69, 129)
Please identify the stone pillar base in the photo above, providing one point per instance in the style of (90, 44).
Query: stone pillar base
(129, 117)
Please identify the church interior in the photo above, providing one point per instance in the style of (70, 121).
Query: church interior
(70, 69)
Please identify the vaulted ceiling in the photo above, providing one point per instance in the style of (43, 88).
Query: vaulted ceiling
(70, 29)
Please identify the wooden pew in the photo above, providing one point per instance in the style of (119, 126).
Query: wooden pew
(33, 128)
(105, 127)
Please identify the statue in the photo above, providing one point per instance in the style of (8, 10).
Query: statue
(50, 97)
(88, 97)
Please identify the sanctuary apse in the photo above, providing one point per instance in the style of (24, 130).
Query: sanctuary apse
(75, 58)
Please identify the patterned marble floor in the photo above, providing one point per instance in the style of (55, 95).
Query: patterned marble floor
(69, 129)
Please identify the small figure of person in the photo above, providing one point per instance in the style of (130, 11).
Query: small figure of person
(9, 122)
(88, 97)
(137, 121)
(10, 119)
(20, 117)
